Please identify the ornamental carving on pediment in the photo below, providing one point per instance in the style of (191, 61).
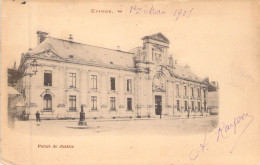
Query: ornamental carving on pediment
(49, 54)
(158, 38)
(170, 62)
(143, 56)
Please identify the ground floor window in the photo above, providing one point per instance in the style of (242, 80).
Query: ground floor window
(72, 100)
(94, 102)
(205, 106)
(199, 106)
(192, 105)
(112, 103)
(129, 103)
(186, 106)
(178, 105)
(47, 102)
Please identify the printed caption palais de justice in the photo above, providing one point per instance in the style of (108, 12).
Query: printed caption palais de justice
(176, 13)
(54, 146)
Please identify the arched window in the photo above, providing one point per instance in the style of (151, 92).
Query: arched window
(47, 102)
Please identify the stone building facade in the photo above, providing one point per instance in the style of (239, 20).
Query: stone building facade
(144, 82)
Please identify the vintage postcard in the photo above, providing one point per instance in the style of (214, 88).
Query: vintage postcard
(130, 82)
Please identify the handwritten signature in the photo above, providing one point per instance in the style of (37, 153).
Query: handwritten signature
(222, 133)
(194, 154)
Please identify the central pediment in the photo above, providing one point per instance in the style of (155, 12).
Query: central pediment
(158, 37)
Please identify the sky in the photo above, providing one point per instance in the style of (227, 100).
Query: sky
(209, 37)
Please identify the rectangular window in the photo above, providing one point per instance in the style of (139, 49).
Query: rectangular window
(198, 92)
(47, 101)
(152, 54)
(199, 106)
(72, 100)
(47, 78)
(94, 81)
(205, 106)
(178, 90)
(72, 79)
(192, 92)
(204, 93)
(185, 91)
(94, 102)
(192, 105)
(129, 85)
(129, 103)
(113, 83)
(112, 103)
(186, 105)
(178, 105)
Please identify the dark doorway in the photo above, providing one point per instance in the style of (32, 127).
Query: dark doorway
(158, 105)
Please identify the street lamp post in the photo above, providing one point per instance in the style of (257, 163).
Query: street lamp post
(82, 117)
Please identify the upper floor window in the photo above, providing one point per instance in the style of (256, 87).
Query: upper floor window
(94, 81)
(129, 103)
(178, 90)
(129, 85)
(204, 91)
(113, 83)
(185, 91)
(192, 92)
(72, 101)
(47, 78)
(94, 102)
(72, 79)
(198, 92)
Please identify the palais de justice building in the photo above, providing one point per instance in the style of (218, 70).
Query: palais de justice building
(144, 82)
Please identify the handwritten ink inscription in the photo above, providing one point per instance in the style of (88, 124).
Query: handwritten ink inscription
(226, 130)
(146, 10)
(176, 13)
(152, 10)
(194, 154)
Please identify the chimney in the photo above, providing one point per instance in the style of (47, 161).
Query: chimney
(70, 37)
(187, 66)
(215, 83)
(41, 36)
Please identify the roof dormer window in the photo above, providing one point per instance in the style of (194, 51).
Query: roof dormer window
(70, 56)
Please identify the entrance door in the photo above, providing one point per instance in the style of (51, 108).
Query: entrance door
(158, 105)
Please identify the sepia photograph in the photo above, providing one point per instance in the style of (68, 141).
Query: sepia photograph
(64, 80)
(141, 82)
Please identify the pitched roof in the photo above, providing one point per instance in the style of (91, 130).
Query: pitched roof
(82, 52)
(185, 72)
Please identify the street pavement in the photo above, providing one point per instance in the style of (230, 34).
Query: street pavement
(118, 127)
